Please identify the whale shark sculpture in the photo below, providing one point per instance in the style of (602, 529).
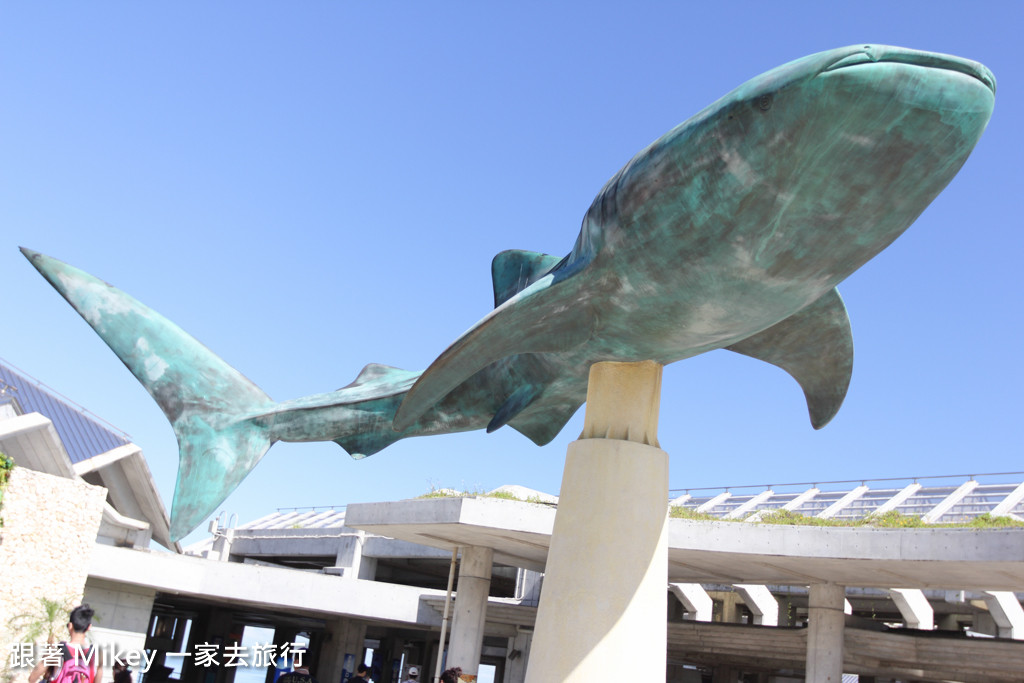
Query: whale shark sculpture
(730, 231)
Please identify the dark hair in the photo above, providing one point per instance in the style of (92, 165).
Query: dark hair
(361, 669)
(451, 675)
(81, 618)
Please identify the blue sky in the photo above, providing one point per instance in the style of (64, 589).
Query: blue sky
(309, 187)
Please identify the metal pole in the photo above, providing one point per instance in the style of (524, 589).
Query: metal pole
(447, 610)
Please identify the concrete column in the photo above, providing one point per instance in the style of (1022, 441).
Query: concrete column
(602, 607)
(470, 609)
(724, 674)
(825, 624)
(344, 636)
(349, 560)
(517, 657)
(528, 583)
(729, 600)
(432, 654)
(695, 599)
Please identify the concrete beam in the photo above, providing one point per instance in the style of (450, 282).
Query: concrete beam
(305, 593)
(1006, 612)
(761, 602)
(1006, 506)
(695, 599)
(917, 612)
(833, 509)
(350, 560)
(102, 460)
(898, 499)
(714, 502)
(949, 501)
(802, 498)
(685, 497)
(750, 504)
(33, 442)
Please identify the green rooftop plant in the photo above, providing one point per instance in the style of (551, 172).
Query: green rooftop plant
(6, 465)
(892, 519)
(683, 512)
(988, 521)
(436, 492)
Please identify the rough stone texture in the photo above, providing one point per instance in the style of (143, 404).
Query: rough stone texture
(46, 543)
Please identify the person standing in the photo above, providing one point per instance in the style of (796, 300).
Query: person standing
(300, 674)
(77, 662)
(451, 675)
(413, 675)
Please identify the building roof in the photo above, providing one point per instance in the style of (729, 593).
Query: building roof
(940, 500)
(55, 436)
(726, 553)
(83, 435)
(937, 500)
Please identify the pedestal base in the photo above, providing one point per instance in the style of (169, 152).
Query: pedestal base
(603, 604)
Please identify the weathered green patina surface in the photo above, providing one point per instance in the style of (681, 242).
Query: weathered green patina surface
(731, 231)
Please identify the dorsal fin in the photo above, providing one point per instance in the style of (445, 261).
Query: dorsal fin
(376, 371)
(515, 269)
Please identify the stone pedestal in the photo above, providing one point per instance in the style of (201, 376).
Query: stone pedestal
(603, 604)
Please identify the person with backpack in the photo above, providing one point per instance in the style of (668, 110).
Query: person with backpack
(77, 662)
(300, 674)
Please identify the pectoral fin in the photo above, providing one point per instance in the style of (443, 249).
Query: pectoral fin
(541, 428)
(546, 317)
(815, 346)
(514, 404)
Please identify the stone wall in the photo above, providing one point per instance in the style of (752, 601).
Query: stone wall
(46, 543)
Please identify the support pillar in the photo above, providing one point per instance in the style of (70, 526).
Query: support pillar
(825, 624)
(344, 637)
(602, 607)
(470, 609)
(917, 612)
(695, 599)
(517, 657)
(724, 674)
(1007, 614)
(761, 602)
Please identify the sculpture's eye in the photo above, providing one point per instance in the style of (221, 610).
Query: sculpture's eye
(764, 102)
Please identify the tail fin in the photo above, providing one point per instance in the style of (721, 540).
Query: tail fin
(204, 398)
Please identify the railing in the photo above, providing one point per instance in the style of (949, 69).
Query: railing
(858, 482)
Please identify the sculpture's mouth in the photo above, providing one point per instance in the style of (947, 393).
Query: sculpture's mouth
(870, 54)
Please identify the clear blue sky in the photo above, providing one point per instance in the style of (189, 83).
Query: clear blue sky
(308, 187)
